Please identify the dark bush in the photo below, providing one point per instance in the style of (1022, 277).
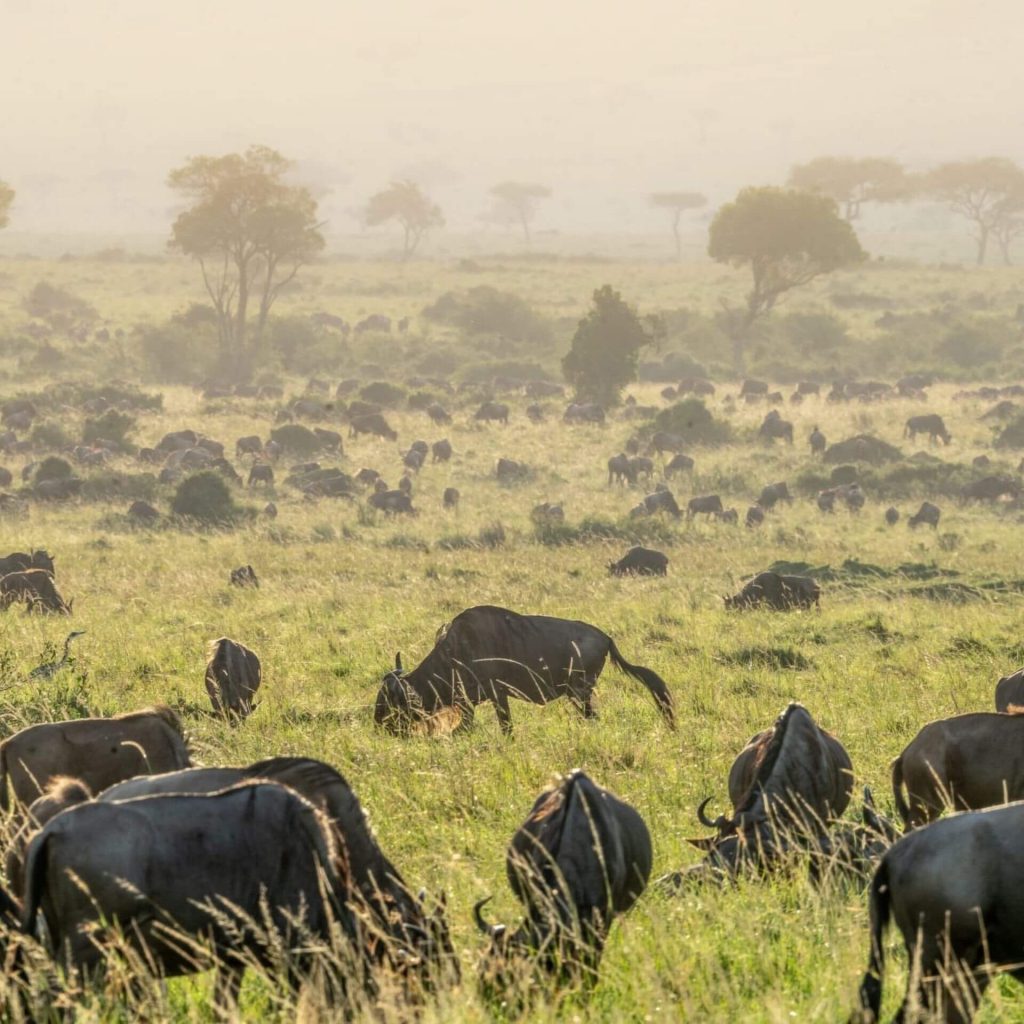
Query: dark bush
(205, 497)
(383, 393)
(487, 310)
(57, 305)
(296, 439)
(111, 426)
(49, 435)
(1012, 435)
(178, 354)
(53, 468)
(692, 421)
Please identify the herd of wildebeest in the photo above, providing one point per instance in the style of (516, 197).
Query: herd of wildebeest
(113, 826)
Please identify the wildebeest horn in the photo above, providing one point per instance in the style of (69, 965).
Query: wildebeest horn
(398, 662)
(492, 930)
(869, 815)
(702, 816)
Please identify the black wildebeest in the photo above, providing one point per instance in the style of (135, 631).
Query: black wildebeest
(640, 561)
(371, 423)
(261, 473)
(663, 441)
(583, 412)
(679, 463)
(441, 451)
(953, 890)
(581, 858)
(892, 516)
(778, 592)
(772, 494)
(36, 588)
(967, 762)
(928, 514)
(775, 427)
(509, 470)
(620, 470)
(754, 516)
(250, 445)
(491, 654)
(492, 411)
(438, 414)
(818, 442)
(991, 488)
(19, 561)
(395, 502)
(705, 504)
(451, 497)
(661, 500)
(233, 675)
(1010, 691)
(930, 424)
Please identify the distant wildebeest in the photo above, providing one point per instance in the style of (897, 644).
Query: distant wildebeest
(36, 588)
(508, 470)
(438, 414)
(892, 516)
(57, 490)
(367, 476)
(982, 462)
(451, 497)
(669, 393)
(178, 440)
(374, 322)
(755, 516)
(99, 751)
(492, 411)
(233, 675)
(535, 413)
(930, 424)
(806, 387)
(705, 504)
(329, 320)
(392, 502)
(928, 514)
(772, 494)
(547, 512)
(178, 858)
(818, 442)
(1010, 691)
(663, 441)
(420, 446)
(330, 440)
(774, 427)
(786, 786)
(953, 890)
(778, 592)
(581, 858)
(491, 654)
(358, 407)
(661, 500)
(405, 484)
(641, 466)
(679, 463)
(619, 470)
(19, 561)
(441, 451)
(965, 762)
(261, 473)
(640, 561)
(730, 516)
(826, 500)
(991, 488)
(244, 576)
(371, 423)
(413, 459)
(852, 495)
(753, 387)
(583, 412)
(142, 512)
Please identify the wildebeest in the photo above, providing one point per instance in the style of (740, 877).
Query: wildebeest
(451, 497)
(953, 890)
(491, 654)
(330, 440)
(492, 411)
(772, 494)
(244, 576)
(754, 516)
(36, 588)
(371, 423)
(640, 561)
(967, 762)
(731, 517)
(367, 476)
(441, 451)
(818, 442)
(892, 516)
(438, 414)
(928, 514)
(19, 561)
(753, 387)
(705, 504)
(582, 857)
(663, 441)
(1010, 691)
(641, 466)
(535, 413)
(374, 322)
(261, 473)
(508, 470)
(413, 459)
(392, 502)
(679, 463)
(778, 592)
(620, 470)
(991, 488)
(930, 424)
(233, 675)
(661, 500)
(774, 427)
(177, 859)
(548, 512)
(583, 412)
(99, 751)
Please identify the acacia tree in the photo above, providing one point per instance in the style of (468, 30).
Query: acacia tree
(405, 202)
(517, 201)
(606, 348)
(250, 232)
(678, 203)
(852, 181)
(787, 238)
(6, 200)
(988, 192)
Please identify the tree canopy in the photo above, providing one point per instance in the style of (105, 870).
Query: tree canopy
(678, 203)
(988, 192)
(787, 238)
(606, 348)
(407, 203)
(852, 181)
(6, 201)
(516, 201)
(251, 231)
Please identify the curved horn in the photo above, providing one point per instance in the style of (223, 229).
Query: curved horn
(491, 930)
(702, 815)
(398, 662)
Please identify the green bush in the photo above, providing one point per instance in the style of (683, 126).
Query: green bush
(53, 468)
(205, 497)
(692, 421)
(383, 393)
(57, 305)
(487, 310)
(175, 354)
(1012, 435)
(49, 435)
(111, 426)
(296, 439)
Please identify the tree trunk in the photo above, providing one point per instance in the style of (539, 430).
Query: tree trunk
(982, 244)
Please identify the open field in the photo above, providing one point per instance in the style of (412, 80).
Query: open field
(343, 589)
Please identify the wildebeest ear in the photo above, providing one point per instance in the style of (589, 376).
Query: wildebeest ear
(398, 661)
(704, 844)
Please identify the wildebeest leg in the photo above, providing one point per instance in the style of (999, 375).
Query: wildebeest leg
(500, 699)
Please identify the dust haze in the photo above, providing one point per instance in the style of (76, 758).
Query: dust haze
(603, 102)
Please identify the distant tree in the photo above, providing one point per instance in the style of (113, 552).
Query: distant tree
(852, 181)
(988, 192)
(405, 202)
(517, 201)
(606, 348)
(787, 238)
(250, 231)
(678, 203)
(6, 200)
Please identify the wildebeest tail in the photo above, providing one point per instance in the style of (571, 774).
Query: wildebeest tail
(897, 791)
(35, 881)
(870, 993)
(4, 800)
(654, 683)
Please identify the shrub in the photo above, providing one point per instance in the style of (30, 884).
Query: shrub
(53, 468)
(692, 421)
(111, 426)
(49, 435)
(57, 305)
(296, 439)
(1012, 435)
(487, 310)
(178, 354)
(383, 393)
(205, 497)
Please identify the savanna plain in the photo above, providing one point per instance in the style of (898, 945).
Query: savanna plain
(343, 588)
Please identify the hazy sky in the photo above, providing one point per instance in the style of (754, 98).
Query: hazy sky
(604, 101)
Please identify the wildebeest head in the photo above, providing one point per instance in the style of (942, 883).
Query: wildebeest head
(398, 705)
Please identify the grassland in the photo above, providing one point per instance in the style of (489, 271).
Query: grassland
(343, 590)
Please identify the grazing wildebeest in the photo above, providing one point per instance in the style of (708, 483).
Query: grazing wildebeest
(99, 751)
(330, 440)
(730, 516)
(620, 470)
(967, 762)
(438, 414)
(244, 576)
(207, 864)
(755, 516)
(953, 890)
(508, 470)
(991, 488)
(451, 497)
(367, 476)
(491, 654)
(178, 440)
(36, 588)
(679, 463)
(371, 423)
(547, 512)
(641, 466)
(772, 494)
(930, 424)
(360, 408)
(392, 502)
(233, 675)
(826, 500)
(413, 459)
(492, 411)
(705, 504)
(774, 427)
(818, 442)
(261, 473)
(441, 451)
(1010, 691)
(640, 561)
(661, 500)
(374, 322)
(778, 592)
(582, 857)
(405, 484)
(143, 512)
(19, 561)
(583, 412)
(663, 442)
(786, 786)
(928, 514)
(892, 516)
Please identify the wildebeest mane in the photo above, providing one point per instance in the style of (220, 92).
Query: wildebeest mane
(767, 758)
